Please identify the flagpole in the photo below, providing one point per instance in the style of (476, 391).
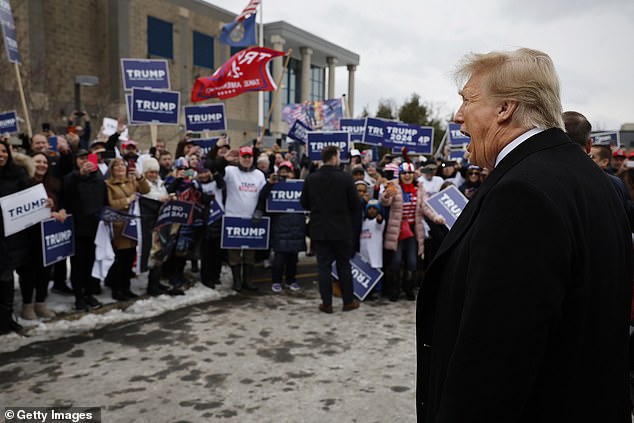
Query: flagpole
(441, 144)
(261, 93)
(277, 90)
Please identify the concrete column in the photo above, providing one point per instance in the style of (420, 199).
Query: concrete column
(277, 43)
(351, 70)
(306, 60)
(184, 55)
(119, 28)
(332, 63)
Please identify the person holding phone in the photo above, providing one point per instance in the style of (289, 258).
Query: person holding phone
(84, 195)
(123, 184)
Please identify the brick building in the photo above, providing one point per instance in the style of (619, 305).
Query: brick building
(62, 41)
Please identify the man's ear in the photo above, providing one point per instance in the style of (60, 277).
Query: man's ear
(505, 110)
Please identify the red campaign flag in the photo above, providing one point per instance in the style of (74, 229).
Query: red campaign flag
(246, 71)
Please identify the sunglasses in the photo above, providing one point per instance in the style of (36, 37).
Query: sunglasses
(474, 173)
(407, 173)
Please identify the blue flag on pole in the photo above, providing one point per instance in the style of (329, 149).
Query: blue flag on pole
(239, 33)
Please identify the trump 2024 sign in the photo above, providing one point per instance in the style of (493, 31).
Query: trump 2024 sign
(239, 232)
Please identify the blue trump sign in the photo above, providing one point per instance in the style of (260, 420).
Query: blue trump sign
(364, 276)
(356, 128)
(155, 107)
(148, 73)
(58, 241)
(299, 132)
(416, 138)
(238, 233)
(285, 197)
(457, 154)
(8, 32)
(456, 138)
(605, 138)
(128, 102)
(215, 212)
(206, 144)
(8, 122)
(374, 131)
(210, 117)
(318, 140)
(448, 203)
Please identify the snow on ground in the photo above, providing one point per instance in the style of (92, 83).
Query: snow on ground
(70, 322)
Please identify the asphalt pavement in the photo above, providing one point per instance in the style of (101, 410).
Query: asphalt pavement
(260, 357)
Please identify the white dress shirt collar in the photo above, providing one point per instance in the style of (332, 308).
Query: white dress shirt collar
(516, 142)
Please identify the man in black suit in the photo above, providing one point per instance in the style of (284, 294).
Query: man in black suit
(335, 216)
(523, 314)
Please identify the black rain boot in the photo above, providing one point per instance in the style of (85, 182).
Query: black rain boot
(236, 270)
(392, 285)
(248, 275)
(7, 321)
(154, 282)
(408, 286)
(178, 279)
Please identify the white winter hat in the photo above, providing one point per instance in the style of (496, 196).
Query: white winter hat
(150, 164)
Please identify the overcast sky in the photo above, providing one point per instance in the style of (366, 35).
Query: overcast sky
(408, 46)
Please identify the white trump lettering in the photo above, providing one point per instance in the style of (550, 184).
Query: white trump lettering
(146, 73)
(245, 232)
(205, 117)
(450, 204)
(319, 145)
(375, 130)
(353, 129)
(7, 123)
(457, 134)
(361, 277)
(58, 238)
(286, 195)
(251, 56)
(155, 106)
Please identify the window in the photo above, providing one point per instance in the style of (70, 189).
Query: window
(160, 38)
(316, 83)
(234, 50)
(203, 50)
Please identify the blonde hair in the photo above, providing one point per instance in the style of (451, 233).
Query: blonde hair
(111, 166)
(526, 76)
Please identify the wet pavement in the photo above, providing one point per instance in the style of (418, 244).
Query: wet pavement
(245, 358)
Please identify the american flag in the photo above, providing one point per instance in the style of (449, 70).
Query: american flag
(251, 8)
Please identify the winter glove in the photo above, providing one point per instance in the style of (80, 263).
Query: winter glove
(257, 216)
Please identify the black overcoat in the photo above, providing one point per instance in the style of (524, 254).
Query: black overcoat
(335, 212)
(523, 314)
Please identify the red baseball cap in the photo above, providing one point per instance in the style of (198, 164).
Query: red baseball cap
(619, 153)
(286, 164)
(246, 151)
